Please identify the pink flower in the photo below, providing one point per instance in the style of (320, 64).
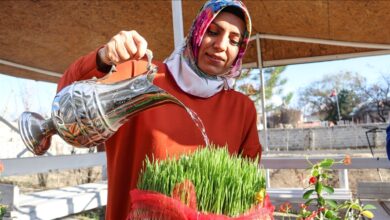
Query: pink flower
(321, 209)
(347, 160)
(285, 207)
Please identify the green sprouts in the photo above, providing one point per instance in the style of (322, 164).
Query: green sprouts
(224, 184)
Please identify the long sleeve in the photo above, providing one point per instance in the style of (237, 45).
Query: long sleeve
(86, 68)
(83, 68)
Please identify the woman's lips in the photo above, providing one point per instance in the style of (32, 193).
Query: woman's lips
(216, 59)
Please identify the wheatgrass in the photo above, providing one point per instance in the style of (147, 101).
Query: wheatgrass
(225, 184)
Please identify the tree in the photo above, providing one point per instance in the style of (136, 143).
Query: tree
(347, 102)
(284, 117)
(379, 95)
(249, 84)
(316, 97)
(290, 116)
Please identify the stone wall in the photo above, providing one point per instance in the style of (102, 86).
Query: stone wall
(336, 137)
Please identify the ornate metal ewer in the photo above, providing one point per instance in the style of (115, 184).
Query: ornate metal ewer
(88, 112)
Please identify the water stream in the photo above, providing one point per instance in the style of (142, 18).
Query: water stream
(198, 122)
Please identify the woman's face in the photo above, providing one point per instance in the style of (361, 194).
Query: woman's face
(220, 44)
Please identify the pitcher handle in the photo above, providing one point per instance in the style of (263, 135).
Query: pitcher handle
(149, 56)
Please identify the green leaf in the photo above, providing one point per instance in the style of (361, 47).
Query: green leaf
(326, 163)
(330, 214)
(331, 203)
(369, 206)
(306, 214)
(309, 201)
(368, 214)
(328, 189)
(315, 173)
(355, 206)
(307, 194)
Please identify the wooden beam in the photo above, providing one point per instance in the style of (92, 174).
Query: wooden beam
(323, 41)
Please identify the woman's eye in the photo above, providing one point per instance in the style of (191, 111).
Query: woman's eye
(234, 42)
(212, 33)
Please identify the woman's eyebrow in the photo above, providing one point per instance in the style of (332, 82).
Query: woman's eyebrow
(232, 32)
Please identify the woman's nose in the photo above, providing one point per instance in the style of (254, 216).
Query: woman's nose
(221, 43)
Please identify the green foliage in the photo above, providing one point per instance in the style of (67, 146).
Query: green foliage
(94, 214)
(378, 95)
(316, 96)
(224, 184)
(3, 210)
(327, 208)
(347, 102)
(248, 83)
(324, 208)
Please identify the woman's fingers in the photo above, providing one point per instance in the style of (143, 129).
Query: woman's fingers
(140, 44)
(120, 48)
(109, 54)
(124, 46)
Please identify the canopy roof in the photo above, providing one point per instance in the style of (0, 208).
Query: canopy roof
(39, 39)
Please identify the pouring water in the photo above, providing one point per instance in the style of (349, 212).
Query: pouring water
(86, 113)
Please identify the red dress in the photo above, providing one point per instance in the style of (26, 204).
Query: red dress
(229, 118)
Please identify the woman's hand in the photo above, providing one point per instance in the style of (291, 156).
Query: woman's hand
(124, 46)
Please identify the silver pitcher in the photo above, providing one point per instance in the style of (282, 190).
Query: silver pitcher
(86, 113)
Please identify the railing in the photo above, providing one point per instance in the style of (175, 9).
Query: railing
(298, 160)
(94, 195)
(301, 163)
(43, 164)
(54, 203)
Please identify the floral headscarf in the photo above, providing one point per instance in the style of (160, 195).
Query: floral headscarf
(182, 62)
(207, 14)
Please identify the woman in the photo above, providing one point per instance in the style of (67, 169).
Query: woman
(200, 74)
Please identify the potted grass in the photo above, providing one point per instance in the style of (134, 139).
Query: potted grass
(207, 184)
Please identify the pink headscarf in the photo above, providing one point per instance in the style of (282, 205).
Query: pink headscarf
(207, 14)
(182, 62)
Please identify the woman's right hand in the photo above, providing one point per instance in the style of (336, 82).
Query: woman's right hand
(125, 45)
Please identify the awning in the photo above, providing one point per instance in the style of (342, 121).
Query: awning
(39, 39)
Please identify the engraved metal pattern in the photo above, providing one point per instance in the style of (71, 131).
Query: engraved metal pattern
(88, 112)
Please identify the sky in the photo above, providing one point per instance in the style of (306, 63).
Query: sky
(40, 94)
(12, 90)
(372, 68)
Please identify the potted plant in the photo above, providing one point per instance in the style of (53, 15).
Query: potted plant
(207, 184)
